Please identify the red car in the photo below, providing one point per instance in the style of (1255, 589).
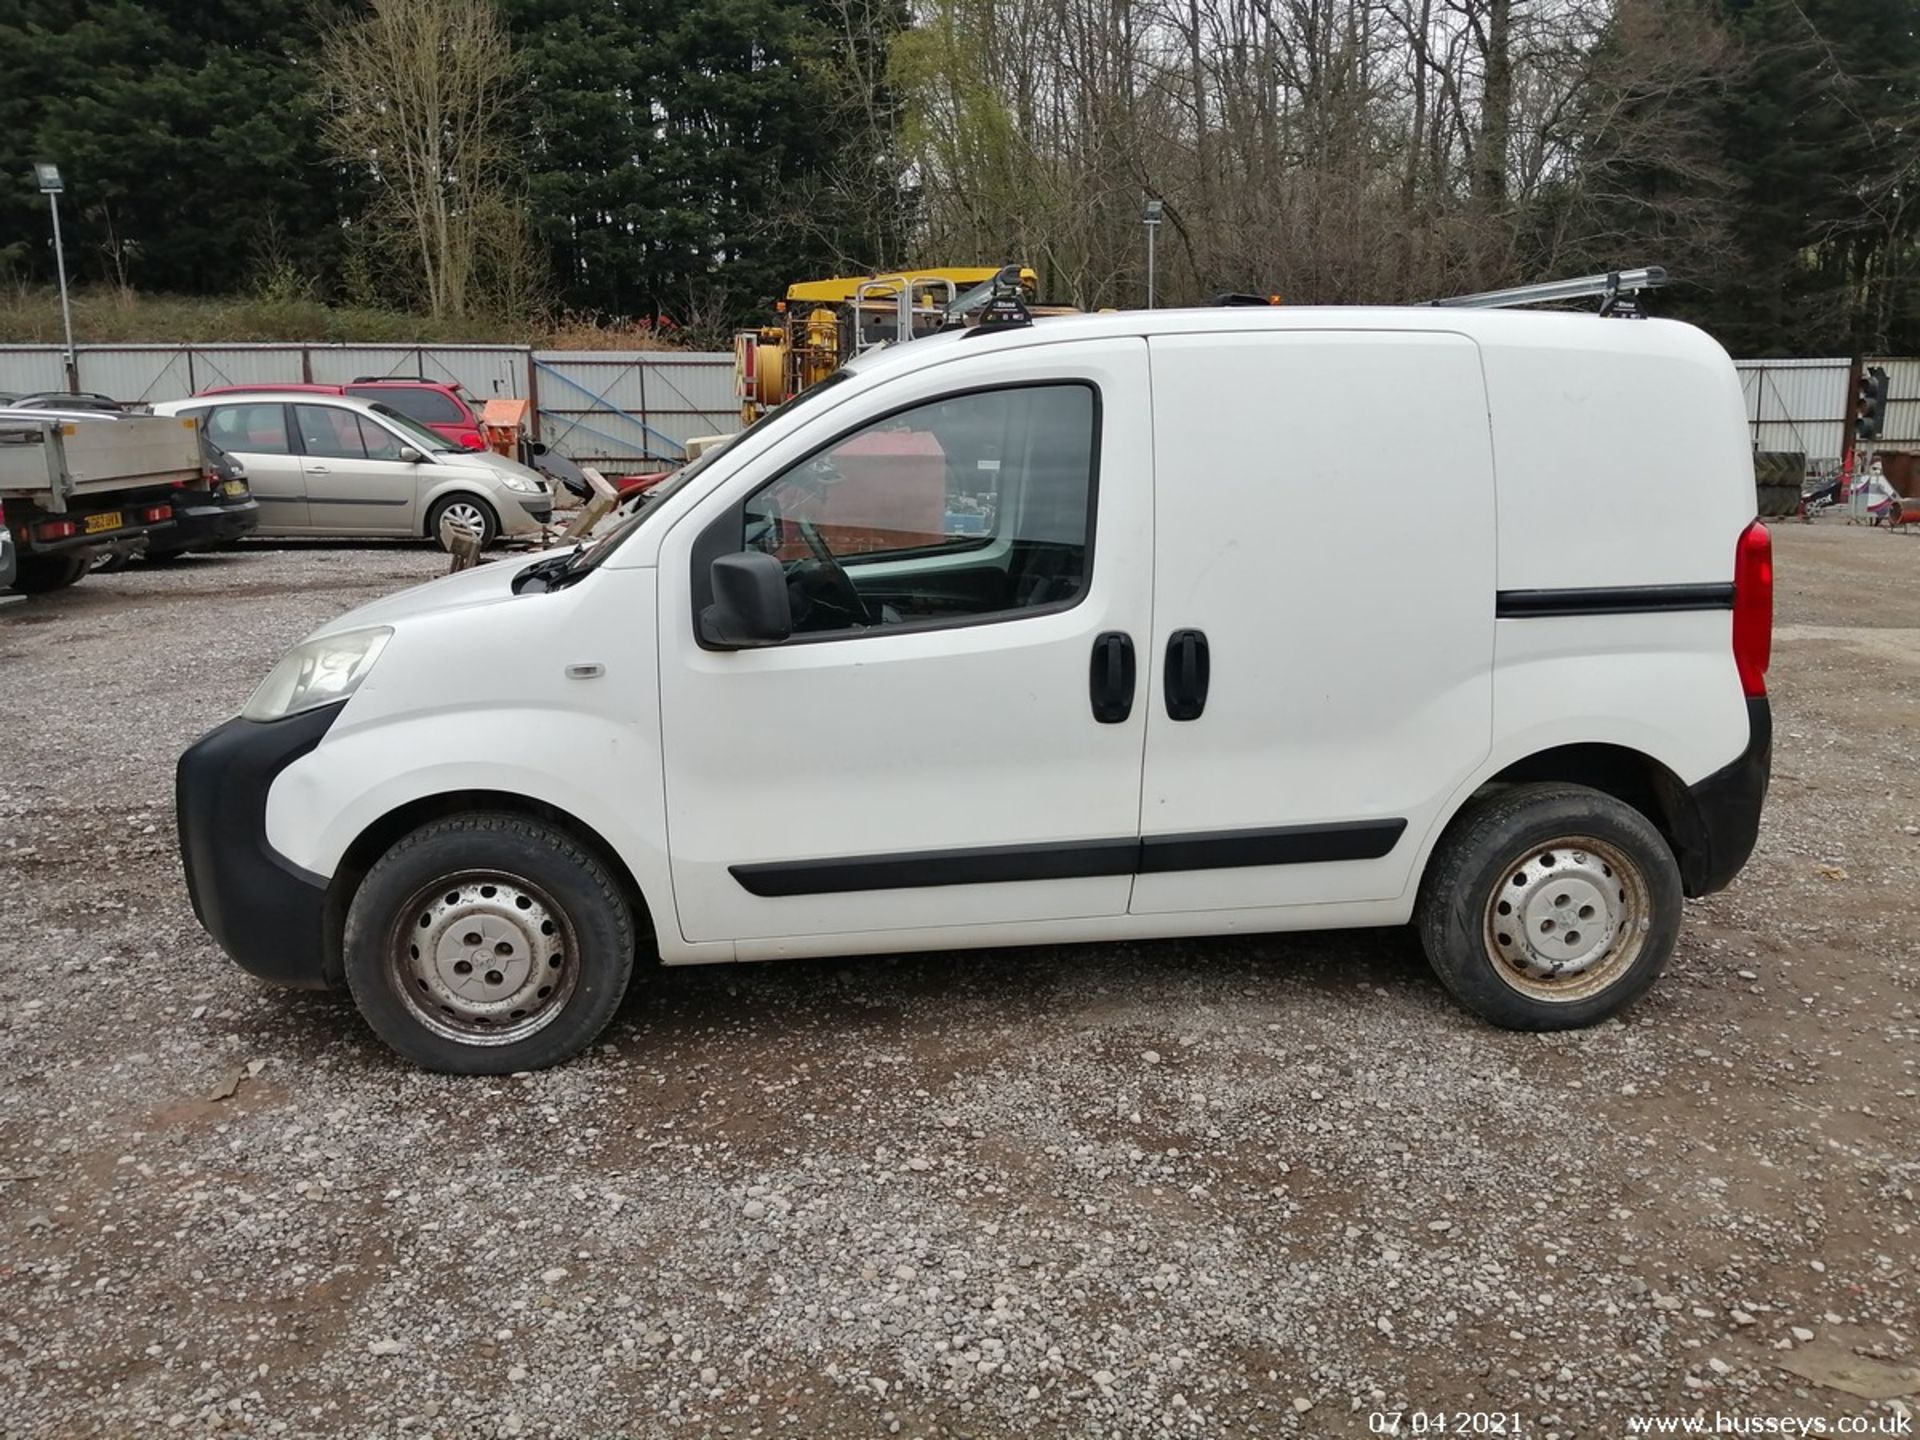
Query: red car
(445, 409)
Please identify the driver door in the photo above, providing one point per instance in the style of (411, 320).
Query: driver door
(923, 753)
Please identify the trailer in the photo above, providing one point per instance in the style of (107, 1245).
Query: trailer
(68, 488)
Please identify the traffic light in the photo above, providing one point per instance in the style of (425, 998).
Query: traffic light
(1870, 404)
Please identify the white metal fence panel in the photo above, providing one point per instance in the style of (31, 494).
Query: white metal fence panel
(622, 408)
(1797, 405)
(614, 408)
(487, 371)
(1902, 430)
(27, 369)
(211, 365)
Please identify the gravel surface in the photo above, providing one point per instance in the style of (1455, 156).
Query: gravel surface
(1262, 1186)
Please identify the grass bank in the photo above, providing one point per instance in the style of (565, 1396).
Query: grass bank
(31, 316)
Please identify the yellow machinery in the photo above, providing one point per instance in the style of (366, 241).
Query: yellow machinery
(824, 323)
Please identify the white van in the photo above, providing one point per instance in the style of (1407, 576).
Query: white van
(1125, 625)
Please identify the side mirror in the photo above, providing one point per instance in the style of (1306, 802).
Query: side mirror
(750, 605)
(410, 456)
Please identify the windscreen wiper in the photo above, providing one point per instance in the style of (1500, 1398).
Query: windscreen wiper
(541, 574)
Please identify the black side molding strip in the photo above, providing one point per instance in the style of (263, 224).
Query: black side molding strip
(1073, 860)
(981, 865)
(1283, 845)
(1611, 600)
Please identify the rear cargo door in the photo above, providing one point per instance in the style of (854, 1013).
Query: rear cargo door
(1321, 662)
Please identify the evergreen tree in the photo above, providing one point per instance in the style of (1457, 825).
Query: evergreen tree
(1821, 138)
(679, 152)
(183, 131)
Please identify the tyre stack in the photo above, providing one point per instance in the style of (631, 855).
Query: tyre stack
(1777, 476)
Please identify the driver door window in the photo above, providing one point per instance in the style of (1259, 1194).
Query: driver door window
(971, 507)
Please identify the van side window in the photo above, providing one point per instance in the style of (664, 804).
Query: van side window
(972, 506)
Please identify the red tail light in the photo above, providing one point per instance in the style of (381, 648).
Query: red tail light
(154, 514)
(48, 531)
(470, 440)
(1753, 607)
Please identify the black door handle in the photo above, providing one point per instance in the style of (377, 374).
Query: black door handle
(1187, 674)
(1111, 677)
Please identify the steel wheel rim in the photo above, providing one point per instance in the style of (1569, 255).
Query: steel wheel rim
(483, 957)
(462, 515)
(1568, 919)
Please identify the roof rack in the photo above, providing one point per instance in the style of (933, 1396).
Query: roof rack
(1615, 287)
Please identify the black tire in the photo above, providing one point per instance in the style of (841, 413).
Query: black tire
(488, 863)
(1554, 853)
(436, 517)
(42, 574)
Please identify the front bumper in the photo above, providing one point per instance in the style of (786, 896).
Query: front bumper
(538, 509)
(265, 911)
(1717, 826)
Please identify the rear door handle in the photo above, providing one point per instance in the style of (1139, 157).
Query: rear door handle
(318, 470)
(1110, 678)
(1188, 670)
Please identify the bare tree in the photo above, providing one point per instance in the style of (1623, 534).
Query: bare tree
(417, 95)
(1330, 150)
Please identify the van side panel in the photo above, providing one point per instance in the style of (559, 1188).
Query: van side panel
(1624, 465)
(1622, 452)
(520, 725)
(1324, 514)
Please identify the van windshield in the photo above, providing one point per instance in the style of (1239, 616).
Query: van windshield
(774, 420)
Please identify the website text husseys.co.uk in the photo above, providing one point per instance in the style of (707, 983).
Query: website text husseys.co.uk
(1722, 1423)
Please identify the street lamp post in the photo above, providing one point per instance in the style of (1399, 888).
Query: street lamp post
(50, 186)
(1150, 217)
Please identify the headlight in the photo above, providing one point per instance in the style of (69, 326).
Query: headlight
(316, 673)
(520, 483)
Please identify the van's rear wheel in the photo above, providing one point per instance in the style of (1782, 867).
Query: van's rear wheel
(455, 514)
(486, 944)
(1550, 907)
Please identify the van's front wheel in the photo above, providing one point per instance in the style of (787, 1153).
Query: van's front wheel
(486, 944)
(1550, 907)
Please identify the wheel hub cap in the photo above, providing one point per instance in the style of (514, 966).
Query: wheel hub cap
(456, 518)
(485, 959)
(1566, 919)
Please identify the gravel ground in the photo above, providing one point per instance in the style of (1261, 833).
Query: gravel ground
(1264, 1186)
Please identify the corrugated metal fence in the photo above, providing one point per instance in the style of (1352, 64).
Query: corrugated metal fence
(614, 408)
(1807, 405)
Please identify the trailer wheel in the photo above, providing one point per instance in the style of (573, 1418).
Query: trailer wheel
(41, 574)
(1549, 907)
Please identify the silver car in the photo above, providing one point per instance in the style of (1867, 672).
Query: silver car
(332, 465)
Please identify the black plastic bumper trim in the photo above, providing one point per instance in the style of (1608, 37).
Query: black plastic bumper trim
(1716, 829)
(1611, 600)
(1073, 860)
(265, 911)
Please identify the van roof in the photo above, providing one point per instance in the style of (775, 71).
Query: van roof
(1507, 328)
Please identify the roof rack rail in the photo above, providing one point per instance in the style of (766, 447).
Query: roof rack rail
(1614, 288)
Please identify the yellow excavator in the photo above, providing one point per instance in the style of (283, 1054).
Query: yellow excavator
(822, 324)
